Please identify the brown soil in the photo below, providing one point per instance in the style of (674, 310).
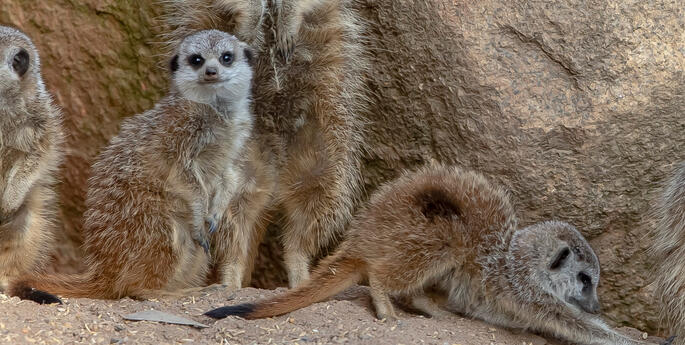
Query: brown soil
(348, 318)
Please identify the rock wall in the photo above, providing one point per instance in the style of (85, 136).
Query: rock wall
(578, 107)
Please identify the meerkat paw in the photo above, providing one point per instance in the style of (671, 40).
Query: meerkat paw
(669, 341)
(386, 317)
(212, 223)
(285, 42)
(10, 203)
(202, 241)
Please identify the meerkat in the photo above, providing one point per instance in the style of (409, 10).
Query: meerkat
(668, 248)
(309, 96)
(451, 229)
(169, 172)
(30, 154)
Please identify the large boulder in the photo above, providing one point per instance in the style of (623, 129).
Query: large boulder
(576, 106)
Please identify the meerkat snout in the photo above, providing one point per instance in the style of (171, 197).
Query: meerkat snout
(210, 73)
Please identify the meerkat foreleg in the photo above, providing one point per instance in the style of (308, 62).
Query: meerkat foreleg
(20, 179)
(578, 328)
(199, 207)
(290, 14)
(589, 329)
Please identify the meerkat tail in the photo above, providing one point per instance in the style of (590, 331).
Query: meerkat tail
(333, 275)
(45, 289)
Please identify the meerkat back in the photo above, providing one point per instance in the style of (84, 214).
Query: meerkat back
(30, 154)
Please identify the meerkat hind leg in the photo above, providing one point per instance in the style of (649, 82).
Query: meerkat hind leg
(426, 305)
(297, 264)
(381, 300)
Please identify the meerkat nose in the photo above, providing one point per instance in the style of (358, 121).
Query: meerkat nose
(210, 72)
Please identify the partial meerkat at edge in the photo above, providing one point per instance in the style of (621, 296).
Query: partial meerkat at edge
(309, 97)
(668, 252)
(31, 150)
(162, 181)
(450, 229)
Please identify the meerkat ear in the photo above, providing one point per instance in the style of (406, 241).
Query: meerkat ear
(174, 63)
(559, 259)
(249, 55)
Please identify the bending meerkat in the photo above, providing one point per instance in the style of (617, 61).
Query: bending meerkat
(448, 228)
(668, 248)
(309, 94)
(167, 171)
(30, 153)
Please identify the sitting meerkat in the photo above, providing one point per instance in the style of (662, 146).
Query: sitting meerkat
(30, 153)
(446, 228)
(309, 95)
(168, 171)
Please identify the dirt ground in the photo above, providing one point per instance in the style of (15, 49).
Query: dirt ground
(346, 319)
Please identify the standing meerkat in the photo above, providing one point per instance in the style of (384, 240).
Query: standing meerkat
(668, 249)
(30, 153)
(309, 95)
(170, 169)
(450, 229)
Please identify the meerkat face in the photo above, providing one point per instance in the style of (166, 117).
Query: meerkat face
(212, 65)
(560, 262)
(18, 61)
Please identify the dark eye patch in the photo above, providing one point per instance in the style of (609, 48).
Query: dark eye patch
(20, 62)
(226, 59)
(196, 61)
(586, 280)
(560, 259)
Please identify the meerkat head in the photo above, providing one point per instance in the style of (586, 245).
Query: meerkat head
(19, 69)
(212, 65)
(553, 261)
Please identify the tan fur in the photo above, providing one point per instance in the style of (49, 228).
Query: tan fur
(668, 252)
(309, 95)
(153, 185)
(30, 153)
(453, 232)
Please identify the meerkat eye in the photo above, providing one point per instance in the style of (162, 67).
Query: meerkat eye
(196, 61)
(585, 279)
(559, 259)
(20, 62)
(227, 58)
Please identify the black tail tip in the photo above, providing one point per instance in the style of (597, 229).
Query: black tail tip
(38, 296)
(242, 310)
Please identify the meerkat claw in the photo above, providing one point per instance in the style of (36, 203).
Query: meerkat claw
(212, 224)
(202, 242)
(669, 341)
(286, 45)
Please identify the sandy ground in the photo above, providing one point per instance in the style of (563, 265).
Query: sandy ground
(346, 319)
